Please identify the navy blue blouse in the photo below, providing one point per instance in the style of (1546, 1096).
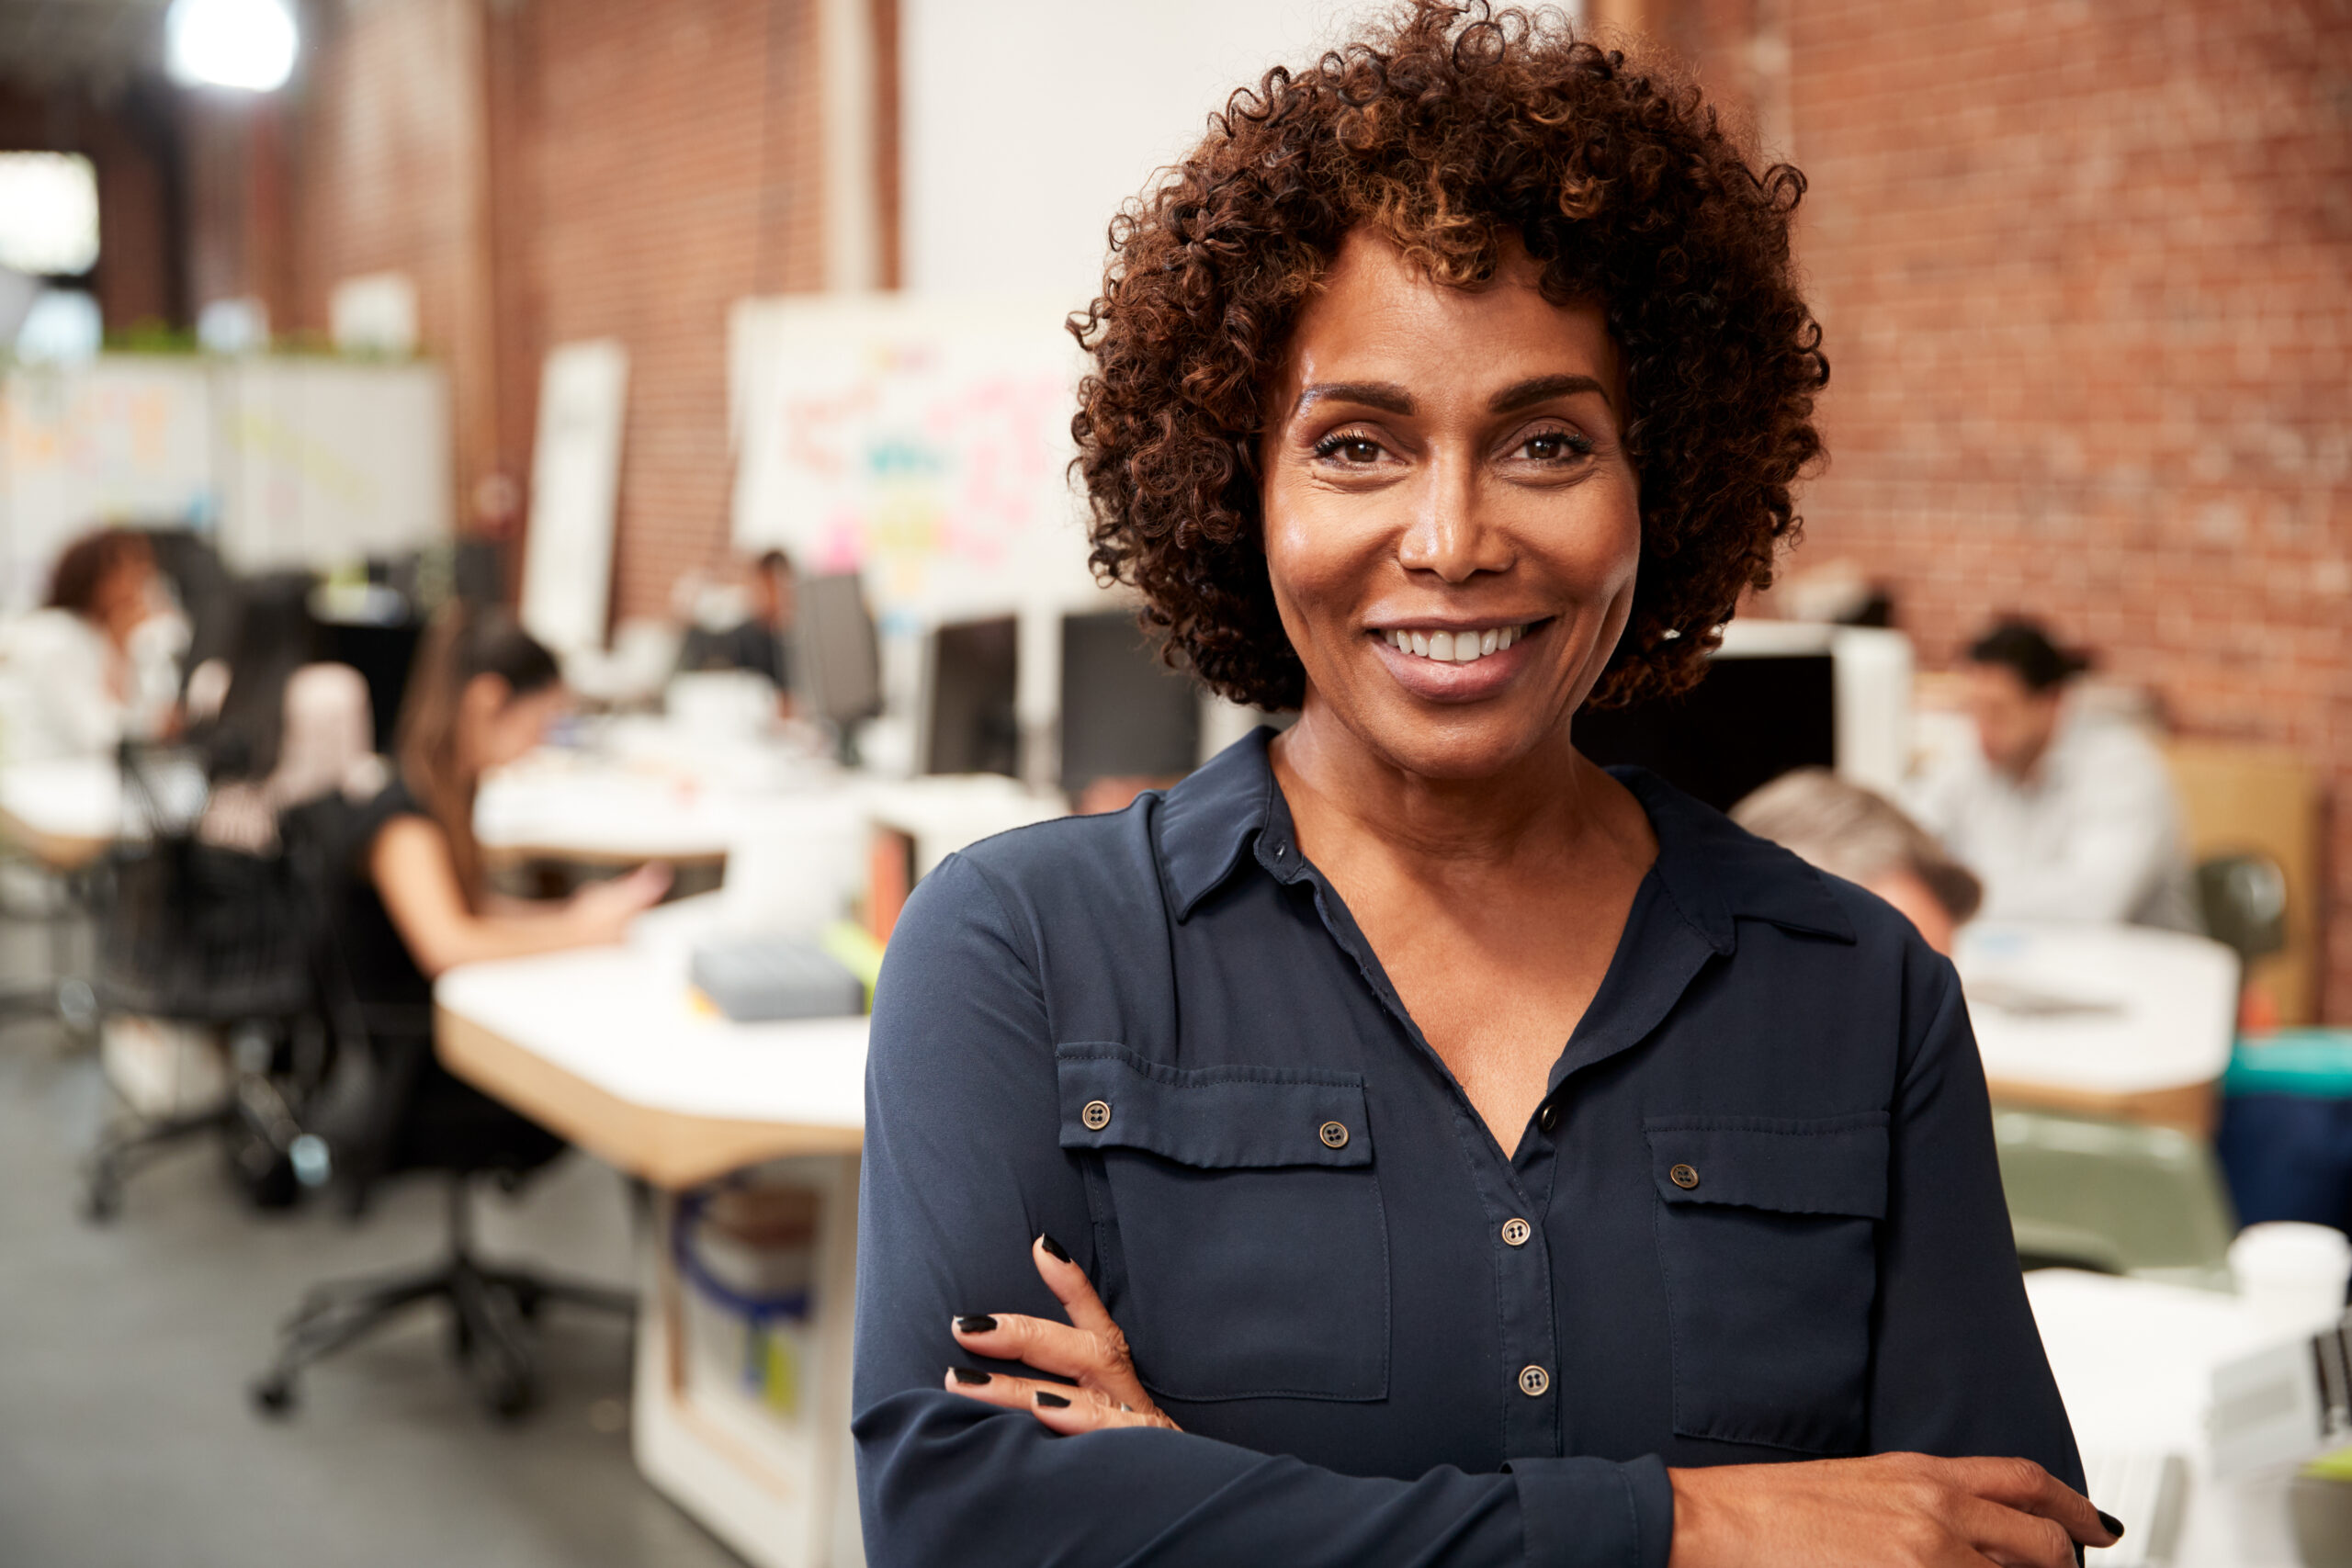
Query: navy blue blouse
(1757, 1217)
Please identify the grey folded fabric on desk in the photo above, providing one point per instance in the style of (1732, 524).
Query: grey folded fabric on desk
(760, 979)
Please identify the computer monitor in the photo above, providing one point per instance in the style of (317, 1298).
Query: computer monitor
(1778, 695)
(1125, 712)
(836, 661)
(971, 721)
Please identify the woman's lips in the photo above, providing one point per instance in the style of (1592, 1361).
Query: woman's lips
(1502, 654)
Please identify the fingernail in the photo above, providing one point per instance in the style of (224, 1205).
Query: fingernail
(1050, 1244)
(1052, 1400)
(2114, 1525)
(977, 1322)
(969, 1377)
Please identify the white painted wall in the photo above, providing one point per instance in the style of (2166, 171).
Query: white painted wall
(1027, 122)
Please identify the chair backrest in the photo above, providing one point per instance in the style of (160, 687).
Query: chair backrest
(2115, 1197)
(192, 930)
(2245, 904)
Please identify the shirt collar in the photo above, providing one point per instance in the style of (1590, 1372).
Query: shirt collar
(1714, 872)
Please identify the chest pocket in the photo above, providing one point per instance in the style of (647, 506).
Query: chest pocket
(1766, 1232)
(1246, 1249)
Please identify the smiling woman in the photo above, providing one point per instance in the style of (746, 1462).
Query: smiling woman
(1458, 1153)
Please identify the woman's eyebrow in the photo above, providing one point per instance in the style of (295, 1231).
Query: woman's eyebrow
(1386, 396)
(1542, 388)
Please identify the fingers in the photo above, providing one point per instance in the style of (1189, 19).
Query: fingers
(2025, 1486)
(1070, 1286)
(1058, 1406)
(1054, 1347)
(2012, 1538)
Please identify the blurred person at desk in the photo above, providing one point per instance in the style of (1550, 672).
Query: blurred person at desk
(747, 625)
(2066, 813)
(416, 902)
(98, 663)
(1858, 834)
(278, 726)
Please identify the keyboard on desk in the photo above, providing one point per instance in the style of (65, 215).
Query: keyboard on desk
(2147, 1491)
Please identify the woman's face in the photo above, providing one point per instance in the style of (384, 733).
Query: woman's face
(502, 726)
(124, 594)
(1445, 468)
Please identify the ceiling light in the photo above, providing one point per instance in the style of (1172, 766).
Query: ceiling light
(247, 44)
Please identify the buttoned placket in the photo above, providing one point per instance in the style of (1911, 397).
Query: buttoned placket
(1528, 1394)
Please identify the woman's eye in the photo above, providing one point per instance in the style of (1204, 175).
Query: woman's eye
(1554, 446)
(1354, 449)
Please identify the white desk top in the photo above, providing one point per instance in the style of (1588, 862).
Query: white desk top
(2135, 1362)
(2108, 1010)
(622, 1019)
(78, 797)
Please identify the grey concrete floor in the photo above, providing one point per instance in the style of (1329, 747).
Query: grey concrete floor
(126, 1437)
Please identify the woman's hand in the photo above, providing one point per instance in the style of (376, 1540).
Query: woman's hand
(600, 911)
(1089, 1347)
(1885, 1511)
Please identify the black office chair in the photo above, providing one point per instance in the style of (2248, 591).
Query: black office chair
(192, 932)
(410, 1115)
(2243, 901)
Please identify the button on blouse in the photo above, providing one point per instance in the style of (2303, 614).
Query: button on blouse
(1756, 1217)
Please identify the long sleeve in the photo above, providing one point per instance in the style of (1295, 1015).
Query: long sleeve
(1953, 1318)
(962, 1169)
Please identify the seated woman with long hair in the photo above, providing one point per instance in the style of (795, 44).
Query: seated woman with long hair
(483, 694)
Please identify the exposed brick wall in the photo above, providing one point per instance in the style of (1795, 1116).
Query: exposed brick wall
(2085, 272)
(129, 143)
(675, 151)
(547, 172)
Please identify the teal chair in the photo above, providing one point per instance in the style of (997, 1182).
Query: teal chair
(2115, 1198)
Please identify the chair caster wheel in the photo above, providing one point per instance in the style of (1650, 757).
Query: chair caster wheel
(273, 1395)
(101, 1203)
(508, 1395)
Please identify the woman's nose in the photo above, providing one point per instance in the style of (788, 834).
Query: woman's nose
(1451, 535)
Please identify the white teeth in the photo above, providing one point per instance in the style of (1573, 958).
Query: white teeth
(1455, 648)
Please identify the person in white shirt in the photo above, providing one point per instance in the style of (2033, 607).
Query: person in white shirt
(87, 668)
(2065, 814)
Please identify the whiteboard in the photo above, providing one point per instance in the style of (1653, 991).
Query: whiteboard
(923, 442)
(123, 438)
(294, 462)
(575, 488)
(322, 462)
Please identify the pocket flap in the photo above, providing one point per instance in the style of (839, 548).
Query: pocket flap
(1837, 1166)
(1210, 1117)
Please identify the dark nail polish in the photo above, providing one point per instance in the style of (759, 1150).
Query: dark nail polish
(967, 1376)
(1052, 1400)
(1050, 1244)
(977, 1322)
(2114, 1525)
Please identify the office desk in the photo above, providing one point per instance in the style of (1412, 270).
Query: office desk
(2135, 1362)
(62, 813)
(2102, 1020)
(608, 1047)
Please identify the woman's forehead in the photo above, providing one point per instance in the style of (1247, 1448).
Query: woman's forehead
(1380, 318)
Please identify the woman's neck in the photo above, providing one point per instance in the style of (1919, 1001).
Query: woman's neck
(1545, 807)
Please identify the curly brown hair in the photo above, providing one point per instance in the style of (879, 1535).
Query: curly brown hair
(1450, 130)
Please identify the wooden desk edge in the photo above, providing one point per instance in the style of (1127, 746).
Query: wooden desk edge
(670, 1149)
(2188, 1107)
(59, 852)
